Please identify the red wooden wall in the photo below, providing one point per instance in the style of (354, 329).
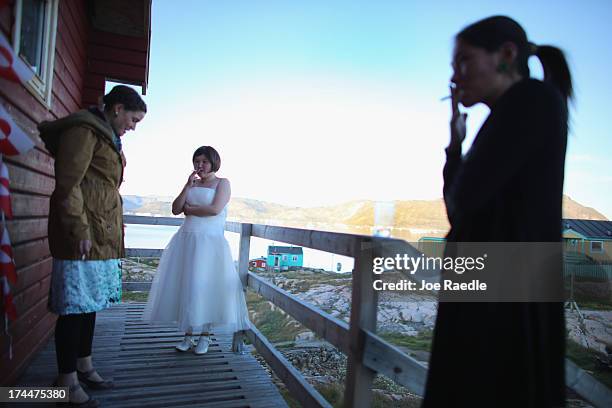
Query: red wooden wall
(84, 59)
(119, 58)
(32, 183)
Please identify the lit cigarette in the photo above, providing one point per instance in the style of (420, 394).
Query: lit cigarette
(445, 98)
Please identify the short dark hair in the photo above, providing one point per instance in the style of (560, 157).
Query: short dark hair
(126, 96)
(211, 154)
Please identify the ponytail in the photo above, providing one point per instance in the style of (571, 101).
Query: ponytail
(556, 69)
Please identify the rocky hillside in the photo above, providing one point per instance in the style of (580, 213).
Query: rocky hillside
(410, 220)
(573, 209)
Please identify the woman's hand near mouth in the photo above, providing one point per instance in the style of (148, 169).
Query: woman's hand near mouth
(192, 178)
(457, 123)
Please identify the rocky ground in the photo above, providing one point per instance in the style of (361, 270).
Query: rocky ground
(139, 269)
(593, 330)
(407, 314)
(324, 367)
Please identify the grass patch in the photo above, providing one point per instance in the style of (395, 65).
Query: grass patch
(153, 262)
(587, 360)
(334, 394)
(421, 341)
(594, 305)
(134, 296)
(275, 327)
(305, 279)
(288, 345)
(382, 401)
(271, 322)
(292, 402)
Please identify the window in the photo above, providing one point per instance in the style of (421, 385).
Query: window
(294, 258)
(596, 246)
(34, 41)
(284, 257)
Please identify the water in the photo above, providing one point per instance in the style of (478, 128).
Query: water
(158, 236)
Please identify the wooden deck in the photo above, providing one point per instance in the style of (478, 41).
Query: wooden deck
(149, 372)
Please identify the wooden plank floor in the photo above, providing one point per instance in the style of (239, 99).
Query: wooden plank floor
(148, 371)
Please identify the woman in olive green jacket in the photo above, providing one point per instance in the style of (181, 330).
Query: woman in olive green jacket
(86, 228)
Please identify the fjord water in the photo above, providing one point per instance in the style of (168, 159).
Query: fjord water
(158, 236)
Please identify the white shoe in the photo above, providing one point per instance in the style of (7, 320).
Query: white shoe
(202, 346)
(186, 344)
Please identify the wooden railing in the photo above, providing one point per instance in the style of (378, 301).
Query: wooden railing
(367, 353)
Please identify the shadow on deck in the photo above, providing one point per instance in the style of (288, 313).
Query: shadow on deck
(148, 371)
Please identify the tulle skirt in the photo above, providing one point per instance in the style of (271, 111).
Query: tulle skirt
(197, 285)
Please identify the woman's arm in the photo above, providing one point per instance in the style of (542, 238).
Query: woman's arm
(451, 168)
(222, 197)
(533, 119)
(179, 202)
(453, 151)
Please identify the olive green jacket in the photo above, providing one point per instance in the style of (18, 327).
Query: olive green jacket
(85, 203)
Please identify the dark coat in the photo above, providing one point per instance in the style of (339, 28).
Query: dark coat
(507, 188)
(88, 171)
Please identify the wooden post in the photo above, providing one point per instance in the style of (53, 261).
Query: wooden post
(243, 253)
(359, 378)
(243, 272)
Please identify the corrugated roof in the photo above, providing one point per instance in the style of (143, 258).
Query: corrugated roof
(284, 250)
(590, 228)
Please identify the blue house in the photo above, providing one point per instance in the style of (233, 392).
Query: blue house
(285, 258)
(589, 238)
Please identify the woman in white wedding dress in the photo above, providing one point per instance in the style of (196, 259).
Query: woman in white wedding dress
(196, 283)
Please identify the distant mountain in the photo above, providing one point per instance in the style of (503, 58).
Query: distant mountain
(573, 209)
(150, 205)
(424, 214)
(132, 203)
(411, 220)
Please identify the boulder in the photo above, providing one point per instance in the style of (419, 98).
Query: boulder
(305, 336)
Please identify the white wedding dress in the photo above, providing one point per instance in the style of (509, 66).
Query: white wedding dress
(197, 284)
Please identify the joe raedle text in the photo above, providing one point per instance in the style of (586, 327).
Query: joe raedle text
(446, 284)
(458, 265)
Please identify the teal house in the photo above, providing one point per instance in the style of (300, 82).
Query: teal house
(285, 257)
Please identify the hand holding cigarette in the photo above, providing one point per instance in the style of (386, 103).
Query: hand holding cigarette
(457, 122)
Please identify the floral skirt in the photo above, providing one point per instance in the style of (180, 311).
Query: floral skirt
(84, 286)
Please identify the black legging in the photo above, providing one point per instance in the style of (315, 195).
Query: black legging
(73, 339)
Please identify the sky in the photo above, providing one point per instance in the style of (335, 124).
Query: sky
(321, 102)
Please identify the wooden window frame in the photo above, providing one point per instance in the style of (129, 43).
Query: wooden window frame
(40, 86)
(601, 249)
